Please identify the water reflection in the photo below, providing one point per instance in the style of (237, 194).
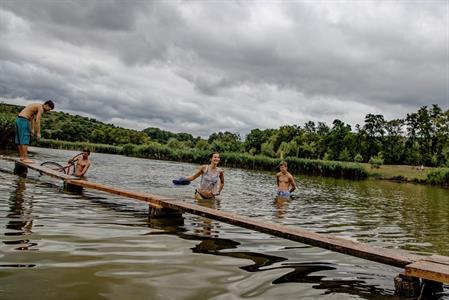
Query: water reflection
(303, 272)
(20, 216)
(281, 205)
(204, 226)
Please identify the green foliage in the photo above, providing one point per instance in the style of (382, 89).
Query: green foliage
(7, 129)
(101, 148)
(358, 158)
(421, 138)
(376, 162)
(439, 176)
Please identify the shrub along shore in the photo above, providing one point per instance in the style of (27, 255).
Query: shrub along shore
(335, 169)
(355, 171)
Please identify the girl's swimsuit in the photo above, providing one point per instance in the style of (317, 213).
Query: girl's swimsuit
(208, 182)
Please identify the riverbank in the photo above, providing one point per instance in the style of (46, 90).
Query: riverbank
(336, 169)
(405, 173)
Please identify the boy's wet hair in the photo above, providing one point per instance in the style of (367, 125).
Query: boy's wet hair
(86, 149)
(50, 104)
(282, 163)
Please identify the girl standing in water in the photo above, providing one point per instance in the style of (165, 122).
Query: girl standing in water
(212, 179)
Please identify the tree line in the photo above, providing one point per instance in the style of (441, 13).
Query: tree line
(420, 138)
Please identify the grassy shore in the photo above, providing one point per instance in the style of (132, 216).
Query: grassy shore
(398, 172)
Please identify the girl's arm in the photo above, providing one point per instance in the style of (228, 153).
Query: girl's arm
(221, 182)
(196, 174)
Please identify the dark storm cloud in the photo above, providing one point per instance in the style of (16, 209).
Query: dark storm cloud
(226, 65)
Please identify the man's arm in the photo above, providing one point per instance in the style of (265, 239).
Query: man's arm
(292, 183)
(40, 110)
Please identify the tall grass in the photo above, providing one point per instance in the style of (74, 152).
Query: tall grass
(101, 148)
(247, 161)
(228, 159)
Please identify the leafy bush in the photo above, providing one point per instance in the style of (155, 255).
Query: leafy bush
(7, 130)
(376, 162)
(358, 158)
(439, 176)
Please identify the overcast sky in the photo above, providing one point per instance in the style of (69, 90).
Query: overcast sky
(207, 66)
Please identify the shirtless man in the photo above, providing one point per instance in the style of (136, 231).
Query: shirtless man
(82, 163)
(285, 181)
(28, 123)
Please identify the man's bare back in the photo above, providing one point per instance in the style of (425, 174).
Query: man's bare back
(32, 110)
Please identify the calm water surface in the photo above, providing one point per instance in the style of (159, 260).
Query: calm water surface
(57, 245)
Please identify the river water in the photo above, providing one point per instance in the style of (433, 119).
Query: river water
(57, 245)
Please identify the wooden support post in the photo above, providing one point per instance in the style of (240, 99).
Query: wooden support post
(407, 286)
(20, 170)
(430, 290)
(68, 187)
(167, 224)
(162, 212)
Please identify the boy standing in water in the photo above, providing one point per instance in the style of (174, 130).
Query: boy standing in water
(82, 163)
(285, 181)
(28, 123)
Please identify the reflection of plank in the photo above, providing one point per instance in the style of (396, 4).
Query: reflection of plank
(386, 256)
(430, 270)
(42, 169)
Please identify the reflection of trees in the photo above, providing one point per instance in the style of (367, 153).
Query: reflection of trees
(411, 216)
(20, 217)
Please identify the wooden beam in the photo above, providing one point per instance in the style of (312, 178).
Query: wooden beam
(429, 270)
(151, 199)
(37, 167)
(386, 256)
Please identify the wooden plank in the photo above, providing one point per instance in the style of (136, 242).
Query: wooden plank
(386, 256)
(151, 199)
(428, 270)
(37, 167)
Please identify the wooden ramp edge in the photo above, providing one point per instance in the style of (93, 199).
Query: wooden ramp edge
(430, 270)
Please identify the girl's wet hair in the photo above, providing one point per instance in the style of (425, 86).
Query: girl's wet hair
(212, 154)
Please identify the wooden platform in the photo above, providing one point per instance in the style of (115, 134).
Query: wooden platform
(435, 268)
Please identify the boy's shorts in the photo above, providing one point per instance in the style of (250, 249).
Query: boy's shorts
(283, 194)
(23, 131)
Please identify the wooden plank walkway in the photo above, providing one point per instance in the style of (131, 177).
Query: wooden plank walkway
(434, 267)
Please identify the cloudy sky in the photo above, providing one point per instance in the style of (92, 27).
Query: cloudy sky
(209, 66)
